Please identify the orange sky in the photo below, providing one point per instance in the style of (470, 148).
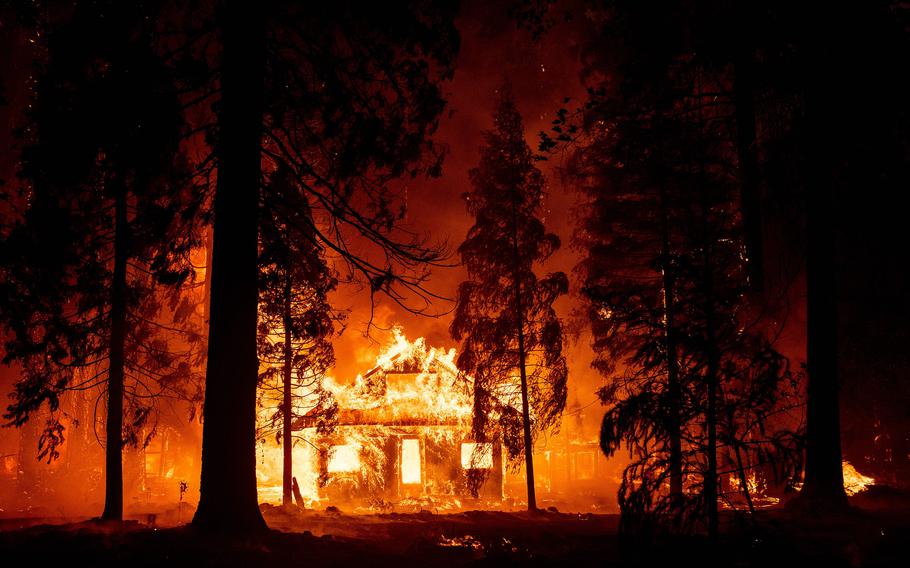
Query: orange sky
(542, 74)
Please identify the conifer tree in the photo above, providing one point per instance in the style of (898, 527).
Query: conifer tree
(345, 97)
(104, 242)
(512, 340)
(296, 323)
(694, 389)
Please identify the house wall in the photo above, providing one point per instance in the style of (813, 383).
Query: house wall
(379, 479)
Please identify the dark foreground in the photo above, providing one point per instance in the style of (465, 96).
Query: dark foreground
(877, 535)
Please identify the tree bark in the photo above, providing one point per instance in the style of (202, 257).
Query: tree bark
(113, 450)
(286, 406)
(674, 426)
(823, 486)
(526, 415)
(750, 196)
(207, 288)
(228, 499)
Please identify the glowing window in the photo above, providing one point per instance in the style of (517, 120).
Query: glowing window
(153, 464)
(476, 456)
(410, 460)
(584, 465)
(343, 458)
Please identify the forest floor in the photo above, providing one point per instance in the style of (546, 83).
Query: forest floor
(875, 534)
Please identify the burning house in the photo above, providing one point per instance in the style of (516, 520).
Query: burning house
(402, 436)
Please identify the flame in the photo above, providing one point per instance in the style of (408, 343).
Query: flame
(270, 466)
(410, 461)
(432, 387)
(410, 384)
(854, 481)
(344, 458)
(476, 456)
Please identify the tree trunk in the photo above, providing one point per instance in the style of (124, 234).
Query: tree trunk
(824, 481)
(228, 499)
(286, 406)
(522, 356)
(750, 196)
(113, 450)
(712, 367)
(711, 414)
(526, 417)
(674, 426)
(207, 288)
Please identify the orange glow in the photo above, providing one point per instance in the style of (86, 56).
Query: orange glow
(854, 481)
(476, 456)
(344, 458)
(410, 461)
(402, 442)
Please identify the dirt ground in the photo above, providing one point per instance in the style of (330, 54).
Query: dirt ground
(875, 535)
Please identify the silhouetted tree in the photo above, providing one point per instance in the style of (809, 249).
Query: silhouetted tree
(664, 282)
(694, 388)
(296, 323)
(105, 239)
(344, 97)
(851, 142)
(504, 315)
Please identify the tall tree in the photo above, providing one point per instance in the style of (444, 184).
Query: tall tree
(678, 357)
(504, 315)
(109, 226)
(228, 499)
(296, 324)
(694, 387)
(345, 98)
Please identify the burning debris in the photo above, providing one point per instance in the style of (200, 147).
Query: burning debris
(854, 481)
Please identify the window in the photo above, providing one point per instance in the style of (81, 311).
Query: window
(584, 465)
(343, 458)
(410, 461)
(153, 456)
(476, 456)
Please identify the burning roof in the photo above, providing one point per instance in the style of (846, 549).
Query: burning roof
(411, 384)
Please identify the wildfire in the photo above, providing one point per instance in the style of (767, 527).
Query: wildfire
(344, 458)
(427, 384)
(410, 386)
(854, 481)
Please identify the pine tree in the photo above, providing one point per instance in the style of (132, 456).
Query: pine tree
(694, 388)
(296, 324)
(105, 239)
(511, 337)
(345, 97)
